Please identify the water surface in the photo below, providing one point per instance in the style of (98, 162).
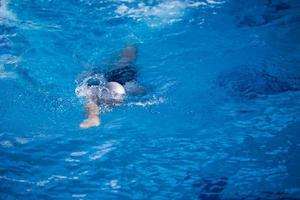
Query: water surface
(220, 119)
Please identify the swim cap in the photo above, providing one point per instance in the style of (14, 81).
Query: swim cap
(117, 91)
(115, 87)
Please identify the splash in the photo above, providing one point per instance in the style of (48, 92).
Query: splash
(82, 90)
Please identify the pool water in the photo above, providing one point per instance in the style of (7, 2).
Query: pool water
(220, 119)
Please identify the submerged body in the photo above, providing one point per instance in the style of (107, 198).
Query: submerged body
(119, 82)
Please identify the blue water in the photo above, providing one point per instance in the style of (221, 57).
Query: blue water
(220, 120)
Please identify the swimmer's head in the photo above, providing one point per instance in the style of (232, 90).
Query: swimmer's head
(116, 92)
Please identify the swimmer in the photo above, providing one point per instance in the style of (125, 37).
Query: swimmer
(120, 81)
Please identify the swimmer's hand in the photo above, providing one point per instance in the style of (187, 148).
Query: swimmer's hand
(93, 118)
(90, 122)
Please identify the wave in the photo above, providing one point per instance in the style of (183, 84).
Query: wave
(150, 102)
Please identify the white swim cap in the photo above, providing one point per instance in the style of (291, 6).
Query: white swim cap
(115, 87)
(116, 90)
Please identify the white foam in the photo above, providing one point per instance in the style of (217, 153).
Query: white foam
(167, 9)
(162, 13)
(165, 12)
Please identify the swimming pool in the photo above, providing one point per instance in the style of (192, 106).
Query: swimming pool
(220, 119)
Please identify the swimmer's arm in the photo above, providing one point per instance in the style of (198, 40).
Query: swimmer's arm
(93, 115)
